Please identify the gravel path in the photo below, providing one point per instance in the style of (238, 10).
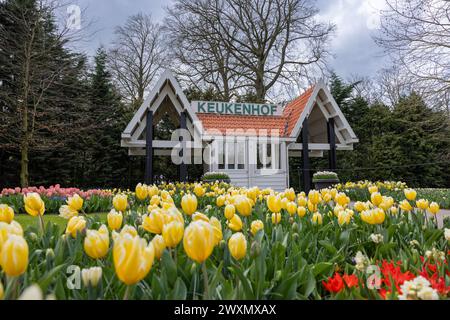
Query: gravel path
(441, 216)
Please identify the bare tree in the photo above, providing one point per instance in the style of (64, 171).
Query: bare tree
(202, 55)
(416, 33)
(271, 40)
(137, 56)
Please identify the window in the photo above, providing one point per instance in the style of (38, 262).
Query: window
(268, 156)
(231, 153)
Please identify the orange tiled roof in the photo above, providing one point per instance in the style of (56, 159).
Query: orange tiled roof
(258, 125)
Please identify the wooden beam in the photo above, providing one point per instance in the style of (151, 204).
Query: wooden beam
(183, 165)
(149, 149)
(305, 154)
(332, 143)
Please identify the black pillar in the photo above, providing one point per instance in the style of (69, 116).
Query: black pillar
(149, 149)
(332, 142)
(183, 166)
(305, 154)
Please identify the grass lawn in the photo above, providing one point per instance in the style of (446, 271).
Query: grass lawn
(27, 220)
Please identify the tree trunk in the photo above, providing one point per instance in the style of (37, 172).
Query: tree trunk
(24, 163)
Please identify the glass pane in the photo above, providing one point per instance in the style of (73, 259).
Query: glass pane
(230, 155)
(220, 144)
(241, 154)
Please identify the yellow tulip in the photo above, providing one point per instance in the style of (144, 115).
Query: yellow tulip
(243, 205)
(314, 197)
(373, 216)
(376, 198)
(173, 233)
(165, 196)
(301, 201)
(127, 229)
(6, 213)
(410, 194)
(198, 241)
(75, 202)
(8, 229)
(189, 204)
(291, 208)
(114, 219)
(373, 189)
(276, 218)
(290, 194)
(155, 200)
(434, 208)
(96, 243)
(67, 212)
(159, 245)
(405, 205)
(34, 205)
(345, 216)
(141, 191)
(235, 223)
(256, 226)
(14, 256)
(360, 206)
(422, 204)
(230, 211)
(317, 218)
(152, 191)
(120, 202)
(220, 201)
(274, 203)
(327, 197)
(217, 228)
(342, 199)
(386, 203)
(237, 244)
(301, 212)
(199, 190)
(312, 207)
(75, 225)
(200, 216)
(133, 258)
(154, 222)
(253, 193)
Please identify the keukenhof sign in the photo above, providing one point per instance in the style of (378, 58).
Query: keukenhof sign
(250, 109)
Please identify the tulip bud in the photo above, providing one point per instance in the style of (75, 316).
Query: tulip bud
(34, 205)
(115, 220)
(173, 233)
(6, 213)
(159, 245)
(276, 218)
(256, 226)
(295, 227)
(255, 249)
(237, 245)
(278, 275)
(133, 258)
(141, 191)
(120, 202)
(434, 208)
(230, 211)
(49, 254)
(75, 225)
(75, 203)
(96, 243)
(189, 204)
(198, 241)
(295, 236)
(92, 276)
(33, 236)
(14, 256)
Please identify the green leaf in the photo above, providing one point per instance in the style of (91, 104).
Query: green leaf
(321, 268)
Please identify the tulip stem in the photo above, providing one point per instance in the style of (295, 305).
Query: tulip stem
(205, 282)
(127, 293)
(41, 222)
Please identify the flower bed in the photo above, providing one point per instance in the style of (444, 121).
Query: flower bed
(214, 241)
(54, 197)
(358, 191)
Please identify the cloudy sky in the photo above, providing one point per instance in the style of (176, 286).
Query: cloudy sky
(355, 53)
